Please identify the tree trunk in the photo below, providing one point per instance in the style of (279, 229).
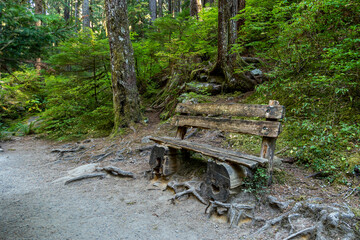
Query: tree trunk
(125, 92)
(170, 6)
(86, 14)
(177, 6)
(227, 35)
(76, 14)
(195, 7)
(152, 6)
(66, 10)
(38, 10)
(160, 9)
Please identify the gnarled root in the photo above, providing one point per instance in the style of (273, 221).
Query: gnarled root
(116, 171)
(191, 187)
(324, 222)
(235, 211)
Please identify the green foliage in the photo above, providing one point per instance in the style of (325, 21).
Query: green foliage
(258, 183)
(20, 39)
(20, 93)
(24, 129)
(79, 99)
(312, 48)
(177, 44)
(193, 97)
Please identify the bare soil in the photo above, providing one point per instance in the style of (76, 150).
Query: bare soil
(35, 203)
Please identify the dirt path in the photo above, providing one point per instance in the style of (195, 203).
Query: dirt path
(33, 206)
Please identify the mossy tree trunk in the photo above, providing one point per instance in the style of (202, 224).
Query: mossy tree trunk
(227, 62)
(125, 92)
(160, 8)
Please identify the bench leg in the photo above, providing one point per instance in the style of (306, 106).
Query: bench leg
(163, 161)
(222, 179)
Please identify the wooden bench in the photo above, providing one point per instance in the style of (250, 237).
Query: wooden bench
(227, 169)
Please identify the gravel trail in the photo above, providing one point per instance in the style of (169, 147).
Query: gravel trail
(35, 206)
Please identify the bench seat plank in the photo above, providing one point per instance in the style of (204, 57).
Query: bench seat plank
(233, 109)
(218, 153)
(260, 128)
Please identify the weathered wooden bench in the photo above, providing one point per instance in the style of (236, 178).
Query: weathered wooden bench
(227, 168)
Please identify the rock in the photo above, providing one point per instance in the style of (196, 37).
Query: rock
(146, 139)
(256, 72)
(277, 161)
(1, 150)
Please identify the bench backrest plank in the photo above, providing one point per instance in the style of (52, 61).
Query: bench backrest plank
(233, 109)
(260, 128)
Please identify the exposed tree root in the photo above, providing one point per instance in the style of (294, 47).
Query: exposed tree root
(86, 176)
(62, 151)
(191, 187)
(325, 220)
(116, 171)
(235, 211)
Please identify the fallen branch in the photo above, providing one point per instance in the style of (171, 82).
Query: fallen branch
(189, 189)
(86, 176)
(116, 171)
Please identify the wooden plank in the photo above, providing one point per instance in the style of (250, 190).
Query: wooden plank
(260, 160)
(260, 128)
(234, 109)
(207, 151)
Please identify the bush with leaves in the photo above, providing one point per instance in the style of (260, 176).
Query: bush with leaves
(313, 50)
(79, 97)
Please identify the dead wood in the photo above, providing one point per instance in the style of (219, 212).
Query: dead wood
(101, 157)
(192, 133)
(116, 171)
(86, 176)
(235, 211)
(191, 187)
(62, 151)
(325, 220)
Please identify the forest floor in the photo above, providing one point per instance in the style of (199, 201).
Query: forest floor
(36, 204)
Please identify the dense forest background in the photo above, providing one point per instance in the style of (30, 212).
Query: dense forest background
(55, 67)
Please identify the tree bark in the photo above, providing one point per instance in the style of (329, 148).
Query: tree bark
(76, 14)
(227, 35)
(195, 7)
(177, 6)
(125, 92)
(160, 9)
(170, 6)
(38, 10)
(152, 6)
(86, 14)
(66, 10)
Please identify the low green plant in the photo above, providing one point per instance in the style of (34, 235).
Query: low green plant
(193, 97)
(24, 129)
(258, 183)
